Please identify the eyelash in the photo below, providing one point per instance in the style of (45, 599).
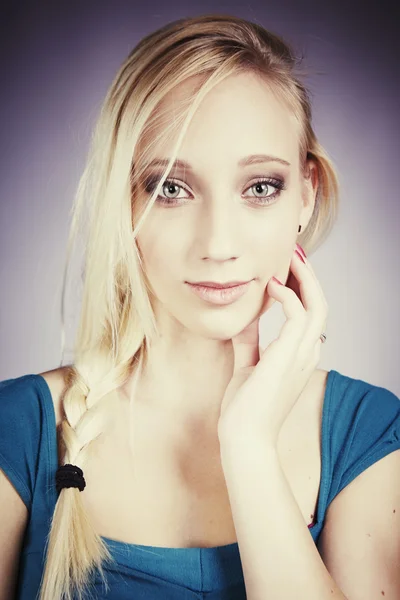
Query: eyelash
(278, 184)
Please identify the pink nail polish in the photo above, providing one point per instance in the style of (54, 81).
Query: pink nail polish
(301, 250)
(300, 256)
(277, 280)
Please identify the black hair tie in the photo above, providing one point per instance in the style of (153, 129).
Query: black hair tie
(70, 476)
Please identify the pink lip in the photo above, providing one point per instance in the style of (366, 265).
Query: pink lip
(220, 296)
(214, 284)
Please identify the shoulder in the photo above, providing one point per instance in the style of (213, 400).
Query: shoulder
(20, 400)
(352, 416)
(362, 425)
(347, 395)
(25, 427)
(359, 413)
(362, 401)
(56, 380)
(23, 395)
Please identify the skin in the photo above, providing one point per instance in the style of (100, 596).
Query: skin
(219, 232)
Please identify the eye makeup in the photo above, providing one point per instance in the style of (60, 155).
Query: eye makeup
(151, 182)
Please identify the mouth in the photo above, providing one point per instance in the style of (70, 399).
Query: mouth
(220, 295)
(217, 285)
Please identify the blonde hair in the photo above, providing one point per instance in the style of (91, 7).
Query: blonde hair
(117, 322)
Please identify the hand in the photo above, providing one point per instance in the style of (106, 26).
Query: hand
(263, 390)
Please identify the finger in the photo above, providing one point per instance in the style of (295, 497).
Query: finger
(309, 291)
(313, 305)
(280, 353)
(246, 345)
(311, 269)
(314, 301)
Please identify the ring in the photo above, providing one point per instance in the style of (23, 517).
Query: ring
(322, 337)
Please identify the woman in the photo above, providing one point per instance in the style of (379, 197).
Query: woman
(207, 465)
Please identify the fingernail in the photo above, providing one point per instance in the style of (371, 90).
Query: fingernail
(277, 280)
(300, 256)
(301, 250)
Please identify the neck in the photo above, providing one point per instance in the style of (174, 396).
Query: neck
(184, 386)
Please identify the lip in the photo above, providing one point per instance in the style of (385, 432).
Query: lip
(214, 284)
(220, 296)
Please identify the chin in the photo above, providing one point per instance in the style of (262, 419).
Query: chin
(223, 326)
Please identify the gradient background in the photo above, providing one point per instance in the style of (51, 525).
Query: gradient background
(57, 61)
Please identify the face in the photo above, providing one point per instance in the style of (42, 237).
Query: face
(220, 220)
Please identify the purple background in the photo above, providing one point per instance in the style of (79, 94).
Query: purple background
(57, 61)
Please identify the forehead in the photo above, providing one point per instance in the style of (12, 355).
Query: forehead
(241, 115)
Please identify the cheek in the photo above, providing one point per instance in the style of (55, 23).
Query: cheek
(152, 258)
(272, 246)
(272, 254)
(161, 260)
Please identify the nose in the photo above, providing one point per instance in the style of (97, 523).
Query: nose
(218, 230)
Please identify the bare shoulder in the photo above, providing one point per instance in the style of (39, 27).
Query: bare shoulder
(56, 380)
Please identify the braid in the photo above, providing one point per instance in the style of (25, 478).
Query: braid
(84, 422)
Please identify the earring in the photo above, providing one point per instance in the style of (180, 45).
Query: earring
(299, 228)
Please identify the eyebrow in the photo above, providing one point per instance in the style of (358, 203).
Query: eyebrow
(243, 162)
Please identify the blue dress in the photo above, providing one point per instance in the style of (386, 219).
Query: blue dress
(360, 425)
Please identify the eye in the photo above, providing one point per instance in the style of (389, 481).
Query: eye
(262, 184)
(171, 186)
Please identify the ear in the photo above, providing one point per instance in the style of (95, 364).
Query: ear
(309, 185)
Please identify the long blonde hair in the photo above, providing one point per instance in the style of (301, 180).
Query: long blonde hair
(117, 323)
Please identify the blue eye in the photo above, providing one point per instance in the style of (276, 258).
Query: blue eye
(152, 182)
(278, 184)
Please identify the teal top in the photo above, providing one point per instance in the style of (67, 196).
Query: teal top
(360, 425)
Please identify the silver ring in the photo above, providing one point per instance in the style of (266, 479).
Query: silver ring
(322, 337)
